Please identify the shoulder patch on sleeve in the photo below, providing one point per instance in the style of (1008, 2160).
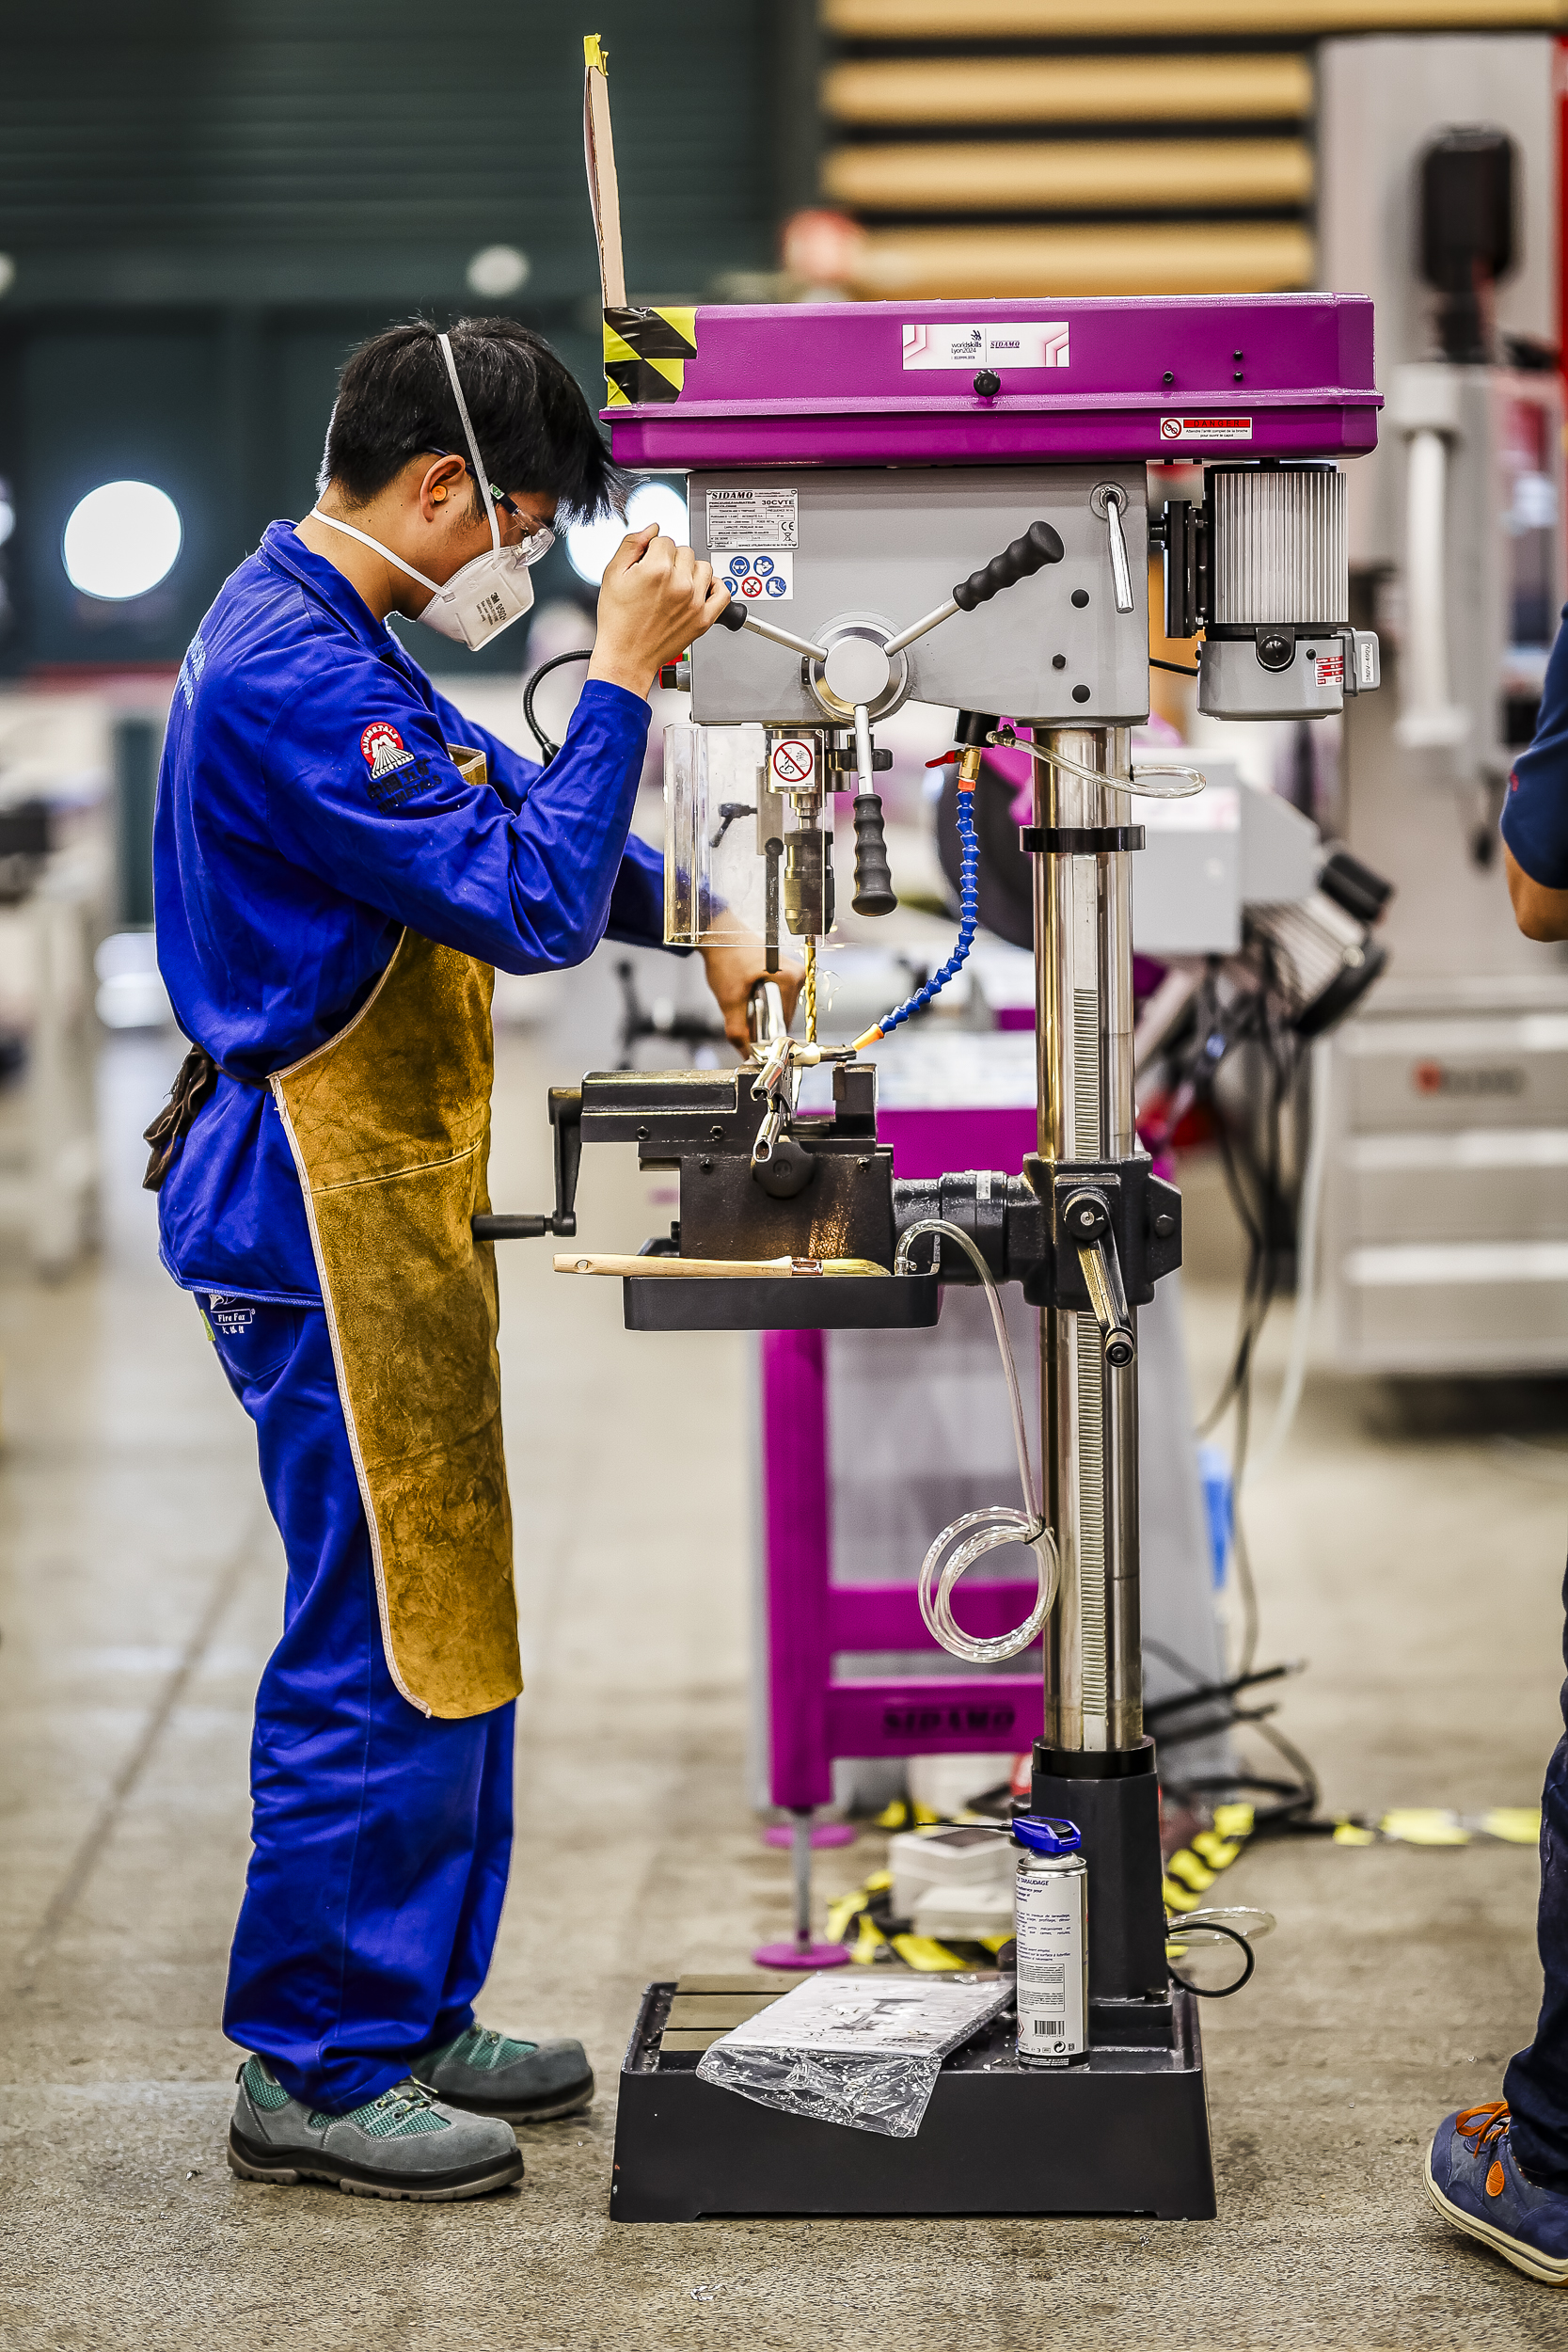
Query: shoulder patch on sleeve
(395, 774)
(383, 747)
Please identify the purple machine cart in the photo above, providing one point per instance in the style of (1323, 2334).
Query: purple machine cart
(814, 1718)
(898, 423)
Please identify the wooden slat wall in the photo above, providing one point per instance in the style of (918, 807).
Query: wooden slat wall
(1109, 19)
(1011, 146)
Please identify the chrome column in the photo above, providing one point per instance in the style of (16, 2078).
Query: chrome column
(1090, 1412)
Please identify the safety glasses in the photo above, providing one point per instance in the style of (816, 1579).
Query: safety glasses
(538, 538)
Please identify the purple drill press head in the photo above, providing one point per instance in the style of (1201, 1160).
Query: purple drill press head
(992, 383)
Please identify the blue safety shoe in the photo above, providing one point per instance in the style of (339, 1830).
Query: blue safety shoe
(1474, 2182)
(521, 2082)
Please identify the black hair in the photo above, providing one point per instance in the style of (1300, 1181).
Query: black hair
(534, 428)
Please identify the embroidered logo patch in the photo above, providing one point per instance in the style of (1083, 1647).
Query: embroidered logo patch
(383, 748)
(230, 1314)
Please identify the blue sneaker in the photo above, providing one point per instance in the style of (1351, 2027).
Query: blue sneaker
(1474, 2182)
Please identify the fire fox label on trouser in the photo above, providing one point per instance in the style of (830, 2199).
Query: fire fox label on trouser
(645, 352)
(1051, 1923)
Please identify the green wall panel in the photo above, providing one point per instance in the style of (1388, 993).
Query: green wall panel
(208, 207)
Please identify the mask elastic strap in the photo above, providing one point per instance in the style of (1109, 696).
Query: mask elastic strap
(480, 477)
(365, 540)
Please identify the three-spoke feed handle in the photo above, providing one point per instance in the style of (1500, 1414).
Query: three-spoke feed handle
(1039, 545)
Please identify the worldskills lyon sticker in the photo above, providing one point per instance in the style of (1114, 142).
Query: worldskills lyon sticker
(383, 747)
(996, 344)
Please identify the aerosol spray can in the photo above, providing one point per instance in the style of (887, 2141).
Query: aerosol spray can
(1051, 1921)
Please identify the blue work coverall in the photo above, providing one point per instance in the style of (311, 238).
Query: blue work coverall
(289, 852)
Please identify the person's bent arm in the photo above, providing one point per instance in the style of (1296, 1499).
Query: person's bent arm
(362, 789)
(1541, 913)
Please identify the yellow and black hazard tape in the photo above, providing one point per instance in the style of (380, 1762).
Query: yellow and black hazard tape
(1192, 1868)
(1191, 1871)
(868, 1910)
(645, 352)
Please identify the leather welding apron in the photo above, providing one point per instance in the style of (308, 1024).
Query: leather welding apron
(389, 1123)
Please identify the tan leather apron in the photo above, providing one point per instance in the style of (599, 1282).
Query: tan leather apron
(389, 1123)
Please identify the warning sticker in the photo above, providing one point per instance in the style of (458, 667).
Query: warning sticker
(1206, 428)
(999, 343)
(753, 519)
(757, 579)
(794, 763)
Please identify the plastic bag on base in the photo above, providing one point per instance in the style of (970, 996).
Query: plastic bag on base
(864, 2054)
(888, 2094)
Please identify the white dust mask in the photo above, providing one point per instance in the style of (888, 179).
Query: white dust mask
(492, 591)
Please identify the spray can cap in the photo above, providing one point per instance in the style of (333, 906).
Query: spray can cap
(1042, 1835)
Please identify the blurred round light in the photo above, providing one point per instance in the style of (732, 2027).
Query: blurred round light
(7, 514)
(499, 269)
(7, 273)
(122, 540)
(592, 544)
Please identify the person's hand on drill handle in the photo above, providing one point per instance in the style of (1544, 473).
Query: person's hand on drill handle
(653, 600)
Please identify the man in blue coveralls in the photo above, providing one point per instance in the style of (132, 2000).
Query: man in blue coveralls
(1499, 2171)
(340, 860)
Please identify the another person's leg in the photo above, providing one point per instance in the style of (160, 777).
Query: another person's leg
(371, 1821)
(1536, 2083)
(1499, 2171)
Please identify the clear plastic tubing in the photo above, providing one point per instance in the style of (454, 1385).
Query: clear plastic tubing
(976, 1532)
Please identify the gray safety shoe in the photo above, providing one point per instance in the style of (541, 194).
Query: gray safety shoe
(407, 2143)
(522, 2082)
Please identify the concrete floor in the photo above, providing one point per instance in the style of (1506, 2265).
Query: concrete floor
(1408, 1543)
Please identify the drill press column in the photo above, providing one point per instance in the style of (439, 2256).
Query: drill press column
(1084, 976)
(1093, 1766)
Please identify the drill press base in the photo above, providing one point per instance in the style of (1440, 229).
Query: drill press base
(1125, 2132)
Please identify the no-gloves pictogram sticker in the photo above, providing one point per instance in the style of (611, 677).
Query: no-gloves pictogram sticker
(794, 763)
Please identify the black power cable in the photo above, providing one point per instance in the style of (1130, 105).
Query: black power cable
(546, 749)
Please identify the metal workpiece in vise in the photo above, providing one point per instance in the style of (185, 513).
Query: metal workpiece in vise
(1087, 1237)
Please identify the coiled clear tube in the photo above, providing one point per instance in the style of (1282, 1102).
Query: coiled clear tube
(976, 1532)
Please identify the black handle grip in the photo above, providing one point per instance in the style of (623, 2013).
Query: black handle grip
(874, 891)
(501, 1228)
(565, 1106)
(733, 616)
(1040, 545)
